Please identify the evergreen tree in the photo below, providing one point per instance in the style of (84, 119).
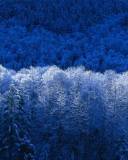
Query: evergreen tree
(15, 143)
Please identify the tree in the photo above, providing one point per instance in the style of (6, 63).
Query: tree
(15, 141)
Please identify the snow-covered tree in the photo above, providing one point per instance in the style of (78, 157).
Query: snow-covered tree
(15, 143)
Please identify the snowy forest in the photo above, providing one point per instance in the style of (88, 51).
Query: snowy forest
(63, 80)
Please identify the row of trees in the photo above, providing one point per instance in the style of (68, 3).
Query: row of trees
(47, 113)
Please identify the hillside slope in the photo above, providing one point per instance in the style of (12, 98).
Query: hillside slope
(64, 33)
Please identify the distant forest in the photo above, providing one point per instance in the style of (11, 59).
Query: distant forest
(63, 80)
(66, 33)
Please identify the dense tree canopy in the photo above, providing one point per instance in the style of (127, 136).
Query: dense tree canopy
(65, 114)
(61, 97)
(92, 33)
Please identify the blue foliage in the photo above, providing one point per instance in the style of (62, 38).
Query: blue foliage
(58, 109)
(38, 33)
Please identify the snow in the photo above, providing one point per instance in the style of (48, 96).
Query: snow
(69, 104)
(63, 80)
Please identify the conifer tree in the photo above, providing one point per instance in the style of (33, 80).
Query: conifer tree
(15, 142)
